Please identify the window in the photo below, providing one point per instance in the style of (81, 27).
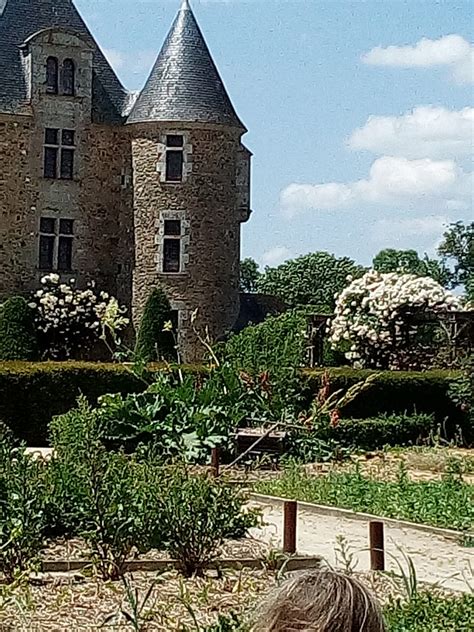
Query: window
(46, 243)
(55, 244)
(52, 75)
(68, 77)
(59, 150)
(172, 246)
(174, 158)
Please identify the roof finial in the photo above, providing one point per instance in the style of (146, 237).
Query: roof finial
(185, 6)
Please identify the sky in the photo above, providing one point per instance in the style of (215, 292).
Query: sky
(359, 113)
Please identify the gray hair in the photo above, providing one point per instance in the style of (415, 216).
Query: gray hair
(320, 601)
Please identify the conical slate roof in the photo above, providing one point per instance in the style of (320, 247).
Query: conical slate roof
(20, 19)
(184, 84)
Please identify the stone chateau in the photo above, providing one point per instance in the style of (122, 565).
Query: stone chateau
(131, 191)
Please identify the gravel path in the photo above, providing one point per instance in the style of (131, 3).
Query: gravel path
(437, 560)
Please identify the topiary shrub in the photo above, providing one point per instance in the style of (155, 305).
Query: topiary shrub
(17, 331)
(154, 342)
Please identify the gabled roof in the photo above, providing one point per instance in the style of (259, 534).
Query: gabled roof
(184, 84)
(22, 18)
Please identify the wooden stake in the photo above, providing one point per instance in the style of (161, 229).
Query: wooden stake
(289, 526)
(215, 461)
(377, 546)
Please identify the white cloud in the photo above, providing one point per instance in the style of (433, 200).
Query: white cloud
(451, 51)
(320, 196)
(422, 233)
(425, 132)
(425, 226)
(275, 256)
(393, 181)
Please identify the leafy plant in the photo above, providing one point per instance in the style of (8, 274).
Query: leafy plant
(185, 416)
(227, 623)
(138, 612)
(18, 340)
(197, 513)
(430, 611)
(100, 496)
(22, 502)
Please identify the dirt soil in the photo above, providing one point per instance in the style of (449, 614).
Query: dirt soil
(77, 603)
(344, 541)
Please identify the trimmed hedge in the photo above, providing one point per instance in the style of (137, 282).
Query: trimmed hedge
(18, 339)
(393, 430)
(393, 392)
(153, 342)
(32, 393)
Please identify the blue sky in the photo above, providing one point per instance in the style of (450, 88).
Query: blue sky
(305, 76)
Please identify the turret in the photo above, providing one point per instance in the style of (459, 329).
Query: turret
(190, 188)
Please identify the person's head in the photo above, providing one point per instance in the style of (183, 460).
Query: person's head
(320, 601)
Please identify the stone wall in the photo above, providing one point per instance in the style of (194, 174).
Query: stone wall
(208, 202)
(98, 198)
(17, 200)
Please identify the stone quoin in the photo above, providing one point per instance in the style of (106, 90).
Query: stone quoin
(133, 191)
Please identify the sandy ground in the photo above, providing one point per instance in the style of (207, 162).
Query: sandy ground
(437, 560)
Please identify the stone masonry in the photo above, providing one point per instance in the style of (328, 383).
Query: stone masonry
(118, 197)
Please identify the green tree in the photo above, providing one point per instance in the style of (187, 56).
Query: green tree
(18, 339)
(409, 262)
(153, 341)
(249, 275)
(457, 249)
(312, 279)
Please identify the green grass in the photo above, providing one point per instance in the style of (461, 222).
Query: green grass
(448, 502)
(428, 612)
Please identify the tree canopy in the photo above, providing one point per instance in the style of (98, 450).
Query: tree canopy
(312, 279)
(249, 275)
(409, 262)
(457, 250)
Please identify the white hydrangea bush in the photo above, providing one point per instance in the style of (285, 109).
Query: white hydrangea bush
(369, 313)
(69, 319)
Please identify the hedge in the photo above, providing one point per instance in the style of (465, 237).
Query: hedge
(32, 393)
(393, 392)
(393, 430)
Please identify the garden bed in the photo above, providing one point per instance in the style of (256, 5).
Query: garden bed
(446, 503)
(80, 603)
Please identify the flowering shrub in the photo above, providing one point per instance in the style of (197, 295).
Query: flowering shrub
(369, 315)
(69, 319)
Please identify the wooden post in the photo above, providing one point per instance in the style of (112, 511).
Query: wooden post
(289, 526)
(215, 461)
(377, 546)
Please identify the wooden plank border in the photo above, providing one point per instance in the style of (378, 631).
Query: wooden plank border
(292, 563)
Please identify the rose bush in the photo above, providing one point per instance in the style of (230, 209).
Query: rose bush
(369, 315)
(69, 319)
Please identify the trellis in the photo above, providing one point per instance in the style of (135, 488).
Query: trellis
(457, 328)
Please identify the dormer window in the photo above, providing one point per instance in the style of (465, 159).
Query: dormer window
(174, 157)
(52, 82)
(68, 77)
